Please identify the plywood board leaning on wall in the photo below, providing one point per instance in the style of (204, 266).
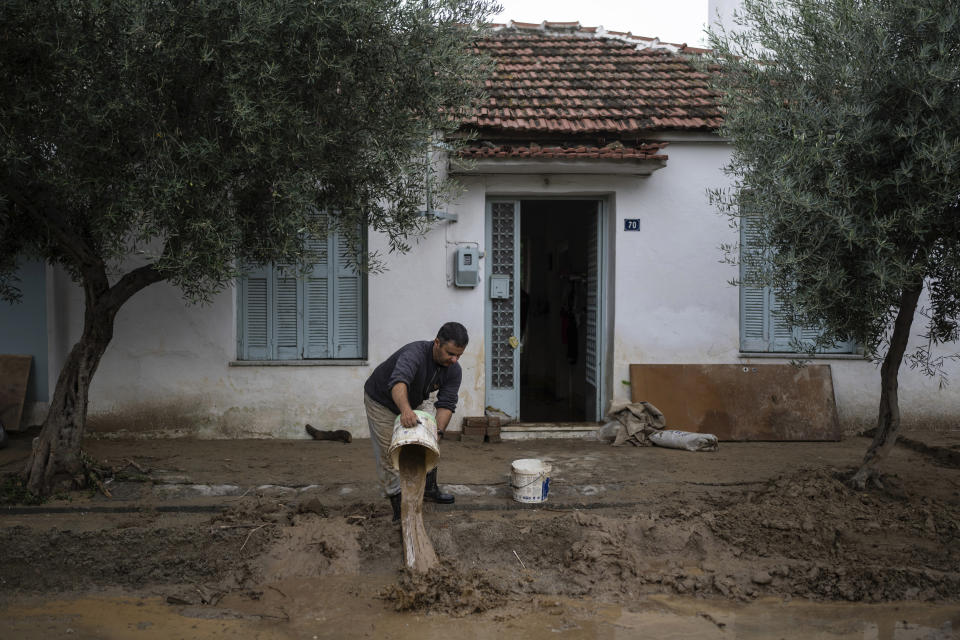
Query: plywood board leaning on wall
(14, 375)
(741, 402)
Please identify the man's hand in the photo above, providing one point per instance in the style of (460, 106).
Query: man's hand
(408, 418)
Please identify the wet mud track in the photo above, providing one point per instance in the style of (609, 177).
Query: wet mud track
(703, 535)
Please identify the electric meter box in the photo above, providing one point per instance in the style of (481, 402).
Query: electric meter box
(467, 271)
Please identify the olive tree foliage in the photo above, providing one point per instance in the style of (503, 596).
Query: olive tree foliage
(173, 140)
(844, 118)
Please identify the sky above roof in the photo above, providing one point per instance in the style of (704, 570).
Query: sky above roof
(677, 21)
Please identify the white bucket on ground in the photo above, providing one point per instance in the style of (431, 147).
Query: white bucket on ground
(423, 434)
(530, 479)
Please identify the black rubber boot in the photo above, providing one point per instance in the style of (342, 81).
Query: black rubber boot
(395, 503)
(431, 491)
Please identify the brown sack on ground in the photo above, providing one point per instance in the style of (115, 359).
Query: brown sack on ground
(637, 420)
(340, 434)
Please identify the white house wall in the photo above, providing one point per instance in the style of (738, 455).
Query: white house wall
(673, 303)
(674, 306)
(670, 299)
(170, 368)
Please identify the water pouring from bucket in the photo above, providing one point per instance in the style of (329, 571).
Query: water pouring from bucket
(414, 452)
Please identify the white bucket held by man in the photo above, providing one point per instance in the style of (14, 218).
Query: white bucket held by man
(530, 479)
(423, 434)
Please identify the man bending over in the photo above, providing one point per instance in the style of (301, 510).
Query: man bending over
(401, 383)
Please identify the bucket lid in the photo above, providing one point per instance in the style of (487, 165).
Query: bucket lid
(530, 465)
(424, 434)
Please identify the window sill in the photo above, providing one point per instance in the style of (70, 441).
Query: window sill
(298, 363)
(802, 356)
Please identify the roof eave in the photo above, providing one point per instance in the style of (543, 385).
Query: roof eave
(556, 166)
(685, 135)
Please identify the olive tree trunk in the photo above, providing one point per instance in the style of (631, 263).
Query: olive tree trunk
(55, 461)
(888, 420)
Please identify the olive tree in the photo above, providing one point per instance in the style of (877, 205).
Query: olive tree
(844, 119)
(173, 140)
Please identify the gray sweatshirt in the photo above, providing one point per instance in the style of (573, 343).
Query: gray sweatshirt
(413, 364)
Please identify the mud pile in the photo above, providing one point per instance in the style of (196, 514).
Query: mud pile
(833, 542)
(804, 534)
(446, 589)
(134, 554)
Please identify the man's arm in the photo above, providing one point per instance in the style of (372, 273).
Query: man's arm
(447, 396)
(443, 419)
(399, 394)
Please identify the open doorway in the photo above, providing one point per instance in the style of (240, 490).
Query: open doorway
(558, 289)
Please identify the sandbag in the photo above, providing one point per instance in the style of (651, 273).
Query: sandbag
(675, 439)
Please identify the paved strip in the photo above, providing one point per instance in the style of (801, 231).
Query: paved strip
(182, 508)
(192, 508)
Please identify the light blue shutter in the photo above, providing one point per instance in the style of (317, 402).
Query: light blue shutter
(808, 334)
(762, 328)
(754, 300)
(286, 308)
(317, 300)
(255, 316)
(348, 303)
(286, 313)
(778, 328)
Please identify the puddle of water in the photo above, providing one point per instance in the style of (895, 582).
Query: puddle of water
(349, 607)
(773, 618)
(120, 618)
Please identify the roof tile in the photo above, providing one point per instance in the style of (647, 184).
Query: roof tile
(553, 77)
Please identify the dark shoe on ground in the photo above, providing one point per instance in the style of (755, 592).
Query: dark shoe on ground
(395, 503)
(431, 490)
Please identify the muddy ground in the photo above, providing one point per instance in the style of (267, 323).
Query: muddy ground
(285, 533)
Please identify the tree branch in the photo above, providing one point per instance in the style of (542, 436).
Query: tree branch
(131, 283)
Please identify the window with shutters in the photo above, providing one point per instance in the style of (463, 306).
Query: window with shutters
(762, 328)
(313, 312)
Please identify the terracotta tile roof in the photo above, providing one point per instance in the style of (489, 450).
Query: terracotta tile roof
(561, 79)
(614, 151)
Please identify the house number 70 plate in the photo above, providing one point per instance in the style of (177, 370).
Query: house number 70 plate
(631, 224)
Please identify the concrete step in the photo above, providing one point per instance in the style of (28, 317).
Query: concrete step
(537, 430)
